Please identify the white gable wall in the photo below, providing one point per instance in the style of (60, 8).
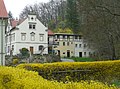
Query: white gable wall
(27, 43)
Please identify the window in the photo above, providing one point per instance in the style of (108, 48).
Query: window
(58, 37)
(32, 36)
(41, 37)
(8, 49)
(58, 43)
(80, 37)
(89, 53)
(76, 37)
(80, 45)
(63, 36)
(63, 43)
(13, 37)
(32, 18)
(84, 53)
(67, 43)
(41, 47)
(85, 45)
(32, 26)
(23, 36)
(12, 47)
(68, 37)
(75, 45)
(63, 52)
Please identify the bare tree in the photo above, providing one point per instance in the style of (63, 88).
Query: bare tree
(100, 24)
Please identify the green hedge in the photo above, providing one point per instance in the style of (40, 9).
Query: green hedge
(105, 71)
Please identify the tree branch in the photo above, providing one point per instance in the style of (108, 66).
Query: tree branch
(108, 10)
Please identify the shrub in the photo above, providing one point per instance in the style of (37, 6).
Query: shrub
(24, 52)
(15, 61)
(105, 71)
(13, 78)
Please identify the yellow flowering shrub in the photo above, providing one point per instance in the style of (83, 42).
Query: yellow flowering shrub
(105, 71)
(14, 78)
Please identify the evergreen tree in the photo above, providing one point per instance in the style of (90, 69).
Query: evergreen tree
(72, 16)
(10, 15)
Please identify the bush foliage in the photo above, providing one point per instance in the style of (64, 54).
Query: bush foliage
(104, 71)
(14, 78)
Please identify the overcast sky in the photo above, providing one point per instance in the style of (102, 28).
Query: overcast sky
(16, 6)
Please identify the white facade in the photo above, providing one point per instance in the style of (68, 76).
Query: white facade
(82, 49)
(29, 33)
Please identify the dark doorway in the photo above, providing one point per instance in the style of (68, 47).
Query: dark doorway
(80, 54)
(31, 50)
(68, 53)
(58, 52)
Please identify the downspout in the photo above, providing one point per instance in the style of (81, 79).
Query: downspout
(2, 42)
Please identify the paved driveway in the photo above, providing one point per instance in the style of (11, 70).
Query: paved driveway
(67, 60)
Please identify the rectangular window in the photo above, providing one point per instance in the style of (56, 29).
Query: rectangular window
(85, 45)
(80, 45)
(67, 43)
(58, 37)
(32, 26)
(41, 37)
(58, 43)
(84, 53)
(80, 37)
(89, 53)
(63, 43)
(8, 49)
(75, 45)
(76, 37)
(63, 36)
(32, 37)
(13, 37)
(23, 36)
(68, 37)
(12, 47)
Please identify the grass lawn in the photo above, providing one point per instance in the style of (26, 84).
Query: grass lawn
(80, 59)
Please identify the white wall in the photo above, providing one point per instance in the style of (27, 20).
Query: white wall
(24, 28)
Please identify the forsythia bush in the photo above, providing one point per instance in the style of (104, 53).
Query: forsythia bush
(13, 78)
(105, 71)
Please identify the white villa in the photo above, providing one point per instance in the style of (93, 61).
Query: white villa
(28, 33)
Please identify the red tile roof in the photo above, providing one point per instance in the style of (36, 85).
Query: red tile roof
(3, 11)
(14, 22)
(50, 32)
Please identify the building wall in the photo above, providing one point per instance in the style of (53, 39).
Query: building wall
(83, 48)
(77, 47)
(23, 28)
(2, 42)
(66, 48)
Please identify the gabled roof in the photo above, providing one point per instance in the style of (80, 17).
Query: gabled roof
(3, 11)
